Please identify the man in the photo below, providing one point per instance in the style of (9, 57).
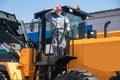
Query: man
(59, 24)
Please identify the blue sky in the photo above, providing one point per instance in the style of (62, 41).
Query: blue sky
(25, 9)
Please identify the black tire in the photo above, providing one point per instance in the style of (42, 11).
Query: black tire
(4, 75)
(76, 75)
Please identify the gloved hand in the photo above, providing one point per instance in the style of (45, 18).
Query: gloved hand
(68, 29)
(54, 9)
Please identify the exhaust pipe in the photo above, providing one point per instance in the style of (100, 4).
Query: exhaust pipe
(105, 29)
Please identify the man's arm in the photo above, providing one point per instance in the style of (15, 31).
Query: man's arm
(48, 15)
(67, 24)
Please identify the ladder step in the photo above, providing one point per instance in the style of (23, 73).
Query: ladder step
(42, 64)
(39, 74)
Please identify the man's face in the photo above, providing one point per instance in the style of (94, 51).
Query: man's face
(58, 12)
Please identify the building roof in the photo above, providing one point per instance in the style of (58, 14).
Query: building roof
(105, 11)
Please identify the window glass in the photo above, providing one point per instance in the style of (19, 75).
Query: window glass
(48, 31)
(74, 24)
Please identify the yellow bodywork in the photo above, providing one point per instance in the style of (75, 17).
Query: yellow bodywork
(26, 63)
(101, 56)
(14, 73)
(18, 71)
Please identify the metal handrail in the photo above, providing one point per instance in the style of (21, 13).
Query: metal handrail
(65, 30)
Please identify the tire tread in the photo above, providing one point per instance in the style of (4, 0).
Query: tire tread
(76, 75)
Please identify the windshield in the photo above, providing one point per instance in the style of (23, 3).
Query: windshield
(75, 24)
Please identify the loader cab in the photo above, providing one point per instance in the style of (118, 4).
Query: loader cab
(57, 63)
(77, 20)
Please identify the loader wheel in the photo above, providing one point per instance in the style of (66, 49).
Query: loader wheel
(4, 75)
(75, 75)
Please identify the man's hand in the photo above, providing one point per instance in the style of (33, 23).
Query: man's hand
(53, 10)
(68, 29)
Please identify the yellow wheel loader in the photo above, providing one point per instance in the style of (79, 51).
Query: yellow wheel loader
(88, 55)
